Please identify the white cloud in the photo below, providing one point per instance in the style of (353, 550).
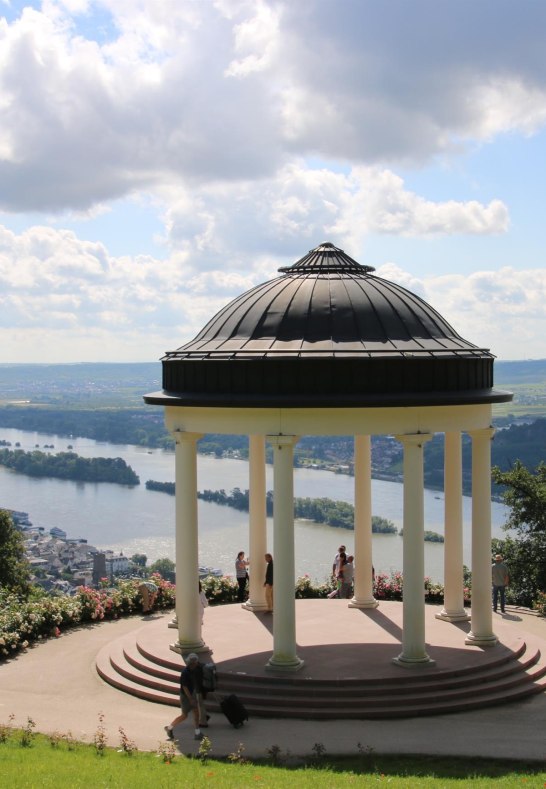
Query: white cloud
(255, 41)
(502, 310)
(71, 295)
(260, 128)
(219, 224)
(64, 299)
(196, 92)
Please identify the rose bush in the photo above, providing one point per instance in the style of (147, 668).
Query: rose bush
(25, 621)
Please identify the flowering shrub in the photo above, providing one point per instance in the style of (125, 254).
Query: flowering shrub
(91, 602)
(388, 587)
(305, 589)
(166, 591)
(434, 592)
(23, 621)
(220, 590)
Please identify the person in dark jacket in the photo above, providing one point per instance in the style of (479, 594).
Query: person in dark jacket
(268, 583)
(500, 580)
(191, 686)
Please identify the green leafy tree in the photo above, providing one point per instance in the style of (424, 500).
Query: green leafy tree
(165, 568)
(525, 495)
(14, 568)
(140, 559)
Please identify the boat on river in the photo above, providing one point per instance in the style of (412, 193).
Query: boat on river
(205, 571)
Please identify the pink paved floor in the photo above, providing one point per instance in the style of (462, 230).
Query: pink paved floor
(335, 641)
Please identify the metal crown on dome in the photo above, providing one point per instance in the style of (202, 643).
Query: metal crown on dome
(326, 259)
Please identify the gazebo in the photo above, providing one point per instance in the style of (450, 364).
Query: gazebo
(329, 348)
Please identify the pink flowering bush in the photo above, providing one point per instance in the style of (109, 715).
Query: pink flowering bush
(388, 587)
(166, 591)
(91, 602)
(26, 621)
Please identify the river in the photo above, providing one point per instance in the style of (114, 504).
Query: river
(136, 520)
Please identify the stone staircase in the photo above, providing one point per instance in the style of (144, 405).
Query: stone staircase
(503, 677)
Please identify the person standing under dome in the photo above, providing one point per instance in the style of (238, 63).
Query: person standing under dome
(241, 573)
(268, 583)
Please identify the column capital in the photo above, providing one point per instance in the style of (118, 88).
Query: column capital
(281, 440)
(482, 432)
(414, 439)
(182, 436)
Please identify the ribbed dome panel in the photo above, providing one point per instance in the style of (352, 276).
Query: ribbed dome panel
(327, 330)
(353, 314)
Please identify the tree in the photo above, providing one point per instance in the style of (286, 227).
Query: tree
(525, 494)
(165, 567)
(14, 568)
(139, 559)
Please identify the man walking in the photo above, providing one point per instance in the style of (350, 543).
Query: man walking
(191, 687)
(500, 580)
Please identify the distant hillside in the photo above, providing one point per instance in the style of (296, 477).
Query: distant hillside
(531, 371)
(527, 380)
(83, 385)
(526, 442)
(122, 385)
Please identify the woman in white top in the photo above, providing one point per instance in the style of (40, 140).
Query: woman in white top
(242, 575)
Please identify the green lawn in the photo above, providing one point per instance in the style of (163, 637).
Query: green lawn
(54, 762)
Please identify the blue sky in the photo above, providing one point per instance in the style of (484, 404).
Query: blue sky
(159, 158)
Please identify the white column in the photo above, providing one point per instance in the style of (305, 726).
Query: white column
(363, 582)
(453, 610)
(188, 611)
(413, 635)
(284, 656)
(257, 523)
(481, 633)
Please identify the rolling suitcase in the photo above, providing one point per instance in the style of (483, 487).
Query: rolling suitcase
(234, 710)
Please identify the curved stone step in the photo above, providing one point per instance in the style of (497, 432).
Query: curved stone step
(112, 677)
(509, 678)
(128, 663)
(238, 683)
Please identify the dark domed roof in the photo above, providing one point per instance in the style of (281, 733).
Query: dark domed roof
(327, 332)
(326, 303)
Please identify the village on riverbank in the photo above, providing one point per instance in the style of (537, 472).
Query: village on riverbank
(59, 563)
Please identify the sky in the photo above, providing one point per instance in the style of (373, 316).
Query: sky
(158, 158)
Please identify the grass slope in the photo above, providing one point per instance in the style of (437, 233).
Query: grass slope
(50, 762)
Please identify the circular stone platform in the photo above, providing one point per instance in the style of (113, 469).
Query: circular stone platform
(348, 671)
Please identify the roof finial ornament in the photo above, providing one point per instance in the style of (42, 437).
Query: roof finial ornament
(325, 259)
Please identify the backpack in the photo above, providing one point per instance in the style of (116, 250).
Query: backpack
(210, 679)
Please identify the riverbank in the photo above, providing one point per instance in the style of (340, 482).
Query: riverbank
(135, 520)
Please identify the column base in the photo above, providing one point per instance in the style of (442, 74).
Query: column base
(481, 641)
(249, 606)
(453, 616)
(292, 664)
(407, 662)
(187, 647)
(372, 603)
